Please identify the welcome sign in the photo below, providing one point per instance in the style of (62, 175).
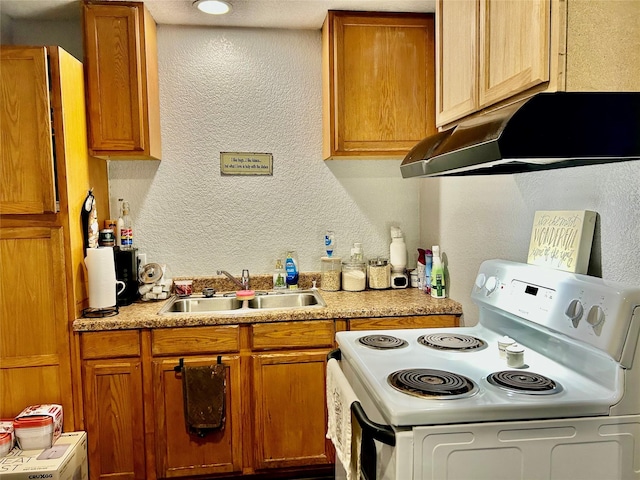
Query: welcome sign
(562, 239)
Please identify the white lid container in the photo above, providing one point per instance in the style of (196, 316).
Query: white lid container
(34, 432)
(6, 442)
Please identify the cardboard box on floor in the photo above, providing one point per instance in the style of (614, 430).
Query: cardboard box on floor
(65, 460)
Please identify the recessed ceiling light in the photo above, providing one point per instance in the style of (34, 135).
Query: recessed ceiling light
(214, 7)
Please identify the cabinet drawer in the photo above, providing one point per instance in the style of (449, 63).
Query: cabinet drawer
(292, 334)
(387, 323)
(173, 341)
(122, 343)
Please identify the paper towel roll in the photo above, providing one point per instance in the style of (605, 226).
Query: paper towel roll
(102, 277)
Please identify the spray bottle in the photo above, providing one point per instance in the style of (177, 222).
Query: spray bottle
(438, 289)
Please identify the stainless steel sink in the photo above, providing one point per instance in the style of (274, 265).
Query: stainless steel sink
(200, 304)
(230, 304)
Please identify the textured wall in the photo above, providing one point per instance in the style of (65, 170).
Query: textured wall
(252, 90)
(491, 217)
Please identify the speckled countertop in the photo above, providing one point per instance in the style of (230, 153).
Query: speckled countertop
(340, 305)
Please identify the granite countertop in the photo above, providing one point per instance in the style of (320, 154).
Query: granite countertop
(340, 305)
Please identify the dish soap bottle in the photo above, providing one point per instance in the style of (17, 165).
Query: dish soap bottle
(279, 276)
(437, 275)
(291, 267)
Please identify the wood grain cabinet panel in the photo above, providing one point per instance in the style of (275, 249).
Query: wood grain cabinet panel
(176, 341)
(113, 409)
(34, 347)
(27, 148)
(120, 57)
(289, 409)
(279, 335)
(388, 323)
(179, 453)
(488, 51)
(378, 84)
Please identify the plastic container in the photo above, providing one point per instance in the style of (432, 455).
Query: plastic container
(6, 443)
(184, 288)
(354, 276)
(330, 273)
(34, 432)
(438, 289)
(397, 251)
(379, 273)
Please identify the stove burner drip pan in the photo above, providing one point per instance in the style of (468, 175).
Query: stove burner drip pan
(432, 384)
(524, 382)
(382, 342)
(452, 341)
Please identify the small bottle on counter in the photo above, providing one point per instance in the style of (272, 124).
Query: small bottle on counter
(126, 231)
(279, 276)
(291, 267)
(438, 289)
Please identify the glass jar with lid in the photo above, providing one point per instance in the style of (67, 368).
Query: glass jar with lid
(379, 273)
(330, 273)
(354, 276)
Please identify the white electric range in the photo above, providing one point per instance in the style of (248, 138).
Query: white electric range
(444, 404)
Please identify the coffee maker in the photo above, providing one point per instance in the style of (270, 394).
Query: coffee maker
(127, 272)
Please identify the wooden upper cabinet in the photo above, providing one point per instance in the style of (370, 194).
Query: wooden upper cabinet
(27, 183)
(457, 59)
(514, 47)
(378, 83)
(121, 62)
(487, 52)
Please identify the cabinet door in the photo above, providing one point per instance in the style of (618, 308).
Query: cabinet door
(113, 407)
(514, 47)
(179, 453)
(290, 409)
(456, 59)
(379, 83)
(121, 80)
(34, 346)
(27, 184)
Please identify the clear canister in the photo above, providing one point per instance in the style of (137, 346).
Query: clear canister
(379, 273)
(354, 276)
(330, 273)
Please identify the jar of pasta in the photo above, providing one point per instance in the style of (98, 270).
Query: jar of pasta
(379, 273)
(330, 273)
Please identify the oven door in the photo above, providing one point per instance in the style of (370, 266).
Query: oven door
(386, 453)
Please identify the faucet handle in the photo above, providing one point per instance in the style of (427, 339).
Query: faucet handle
(245, 278)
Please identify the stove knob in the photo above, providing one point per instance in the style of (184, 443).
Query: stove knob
(574, 311)
(491, 285)
(595, 318)
(480, 280)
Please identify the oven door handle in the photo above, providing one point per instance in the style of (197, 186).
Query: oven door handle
(377, 431)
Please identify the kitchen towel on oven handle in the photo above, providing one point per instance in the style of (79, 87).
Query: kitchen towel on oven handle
(353, 440)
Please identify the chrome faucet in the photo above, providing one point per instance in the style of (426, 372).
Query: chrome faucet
(243, 283)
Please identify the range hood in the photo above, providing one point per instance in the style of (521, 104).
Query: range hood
(545, 131)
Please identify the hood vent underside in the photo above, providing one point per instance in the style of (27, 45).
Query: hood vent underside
(545, 131)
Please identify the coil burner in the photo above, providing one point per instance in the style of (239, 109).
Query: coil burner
(382, 342)
(524, 382)
(452, 342)
(429, 383)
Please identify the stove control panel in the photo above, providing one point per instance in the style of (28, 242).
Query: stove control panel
(583, 307)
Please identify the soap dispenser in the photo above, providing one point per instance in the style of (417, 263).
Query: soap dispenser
(279, 276)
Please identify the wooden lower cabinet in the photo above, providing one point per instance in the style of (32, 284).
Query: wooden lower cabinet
(113, 404)
(289, 408)
(275, 409)
(179, 453)
(114, 421)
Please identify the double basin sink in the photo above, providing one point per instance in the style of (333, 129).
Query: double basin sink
(230, 304)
